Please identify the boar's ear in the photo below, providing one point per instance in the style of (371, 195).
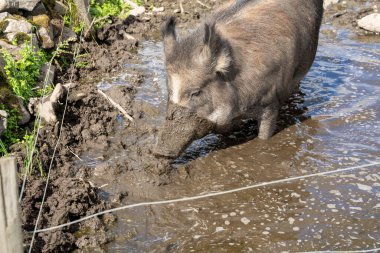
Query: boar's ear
(218, 49)
(209, 34)
(169, 34)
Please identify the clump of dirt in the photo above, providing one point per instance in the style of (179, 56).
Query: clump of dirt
(69, 199)
(180, 129)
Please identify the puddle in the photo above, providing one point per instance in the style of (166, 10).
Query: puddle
(332, 123)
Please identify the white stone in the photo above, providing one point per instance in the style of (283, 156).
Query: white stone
(27, 5)
(17, 26)
(46, 37)
(47, 110)
(139, 10)
(3, 121)
(327, 3)
(4, 15)
(370, 22)
(158, 9)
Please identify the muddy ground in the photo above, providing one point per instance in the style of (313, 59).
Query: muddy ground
(90, 124)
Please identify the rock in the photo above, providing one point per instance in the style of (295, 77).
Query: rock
(14, 5)
(327, 3)
(35, 42)
(370, 22)
(28, 5)
(132, 40)
(25, 115)
(158, 9)
(139, 10)
(47, 74)
(4, 15)
(83, 7)
(32, 105)
(41, 20)
(48, 108)
(3, 121)
(60, 8)
(38, 10)
(69, 35)
(14, 27)
(46, 38)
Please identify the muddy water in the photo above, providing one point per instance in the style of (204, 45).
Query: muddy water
(332, 123)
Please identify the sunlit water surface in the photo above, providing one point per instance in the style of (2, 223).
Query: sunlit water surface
(334, 123)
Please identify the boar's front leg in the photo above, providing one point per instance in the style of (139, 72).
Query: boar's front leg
(267, 121)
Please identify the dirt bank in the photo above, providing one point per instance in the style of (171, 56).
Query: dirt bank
(89, 130)
(89, 126)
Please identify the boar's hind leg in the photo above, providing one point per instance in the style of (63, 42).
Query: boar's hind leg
(267, 121)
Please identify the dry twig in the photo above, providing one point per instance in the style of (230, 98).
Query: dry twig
(121, 109)
(181, 7)
(203, 4)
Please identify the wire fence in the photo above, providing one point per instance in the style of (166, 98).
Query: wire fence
(346, 251)
(209, 195)
(150, 203)
(76, 51)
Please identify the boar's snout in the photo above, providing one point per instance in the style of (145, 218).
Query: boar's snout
(171, 143)
(180, 129)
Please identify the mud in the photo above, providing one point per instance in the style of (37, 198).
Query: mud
(89, 127)
(103, 160)
(191, 128)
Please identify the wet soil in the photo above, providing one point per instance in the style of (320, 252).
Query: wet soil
(89, 127)
(103, 160)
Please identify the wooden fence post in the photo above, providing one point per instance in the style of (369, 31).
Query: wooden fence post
(10, 225)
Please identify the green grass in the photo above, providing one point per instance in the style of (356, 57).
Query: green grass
(22, 74)
(28, 142)
(3, 149)
(104, 10)
(72, 17)
(13, 132)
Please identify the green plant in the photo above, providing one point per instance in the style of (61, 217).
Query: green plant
(72, 17)
(104, 10)
(22, 74)
(13, 133)
(40, 92)
(3, 149)
(28, 142)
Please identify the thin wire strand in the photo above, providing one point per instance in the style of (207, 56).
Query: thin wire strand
(345, 251)
(26, 172)
(214, 194)
(76, 50)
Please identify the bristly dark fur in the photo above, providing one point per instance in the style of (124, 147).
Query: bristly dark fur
(245, 58)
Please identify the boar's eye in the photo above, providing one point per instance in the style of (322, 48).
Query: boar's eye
(195, 93)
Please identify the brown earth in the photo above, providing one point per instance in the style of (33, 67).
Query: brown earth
(90, 124)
